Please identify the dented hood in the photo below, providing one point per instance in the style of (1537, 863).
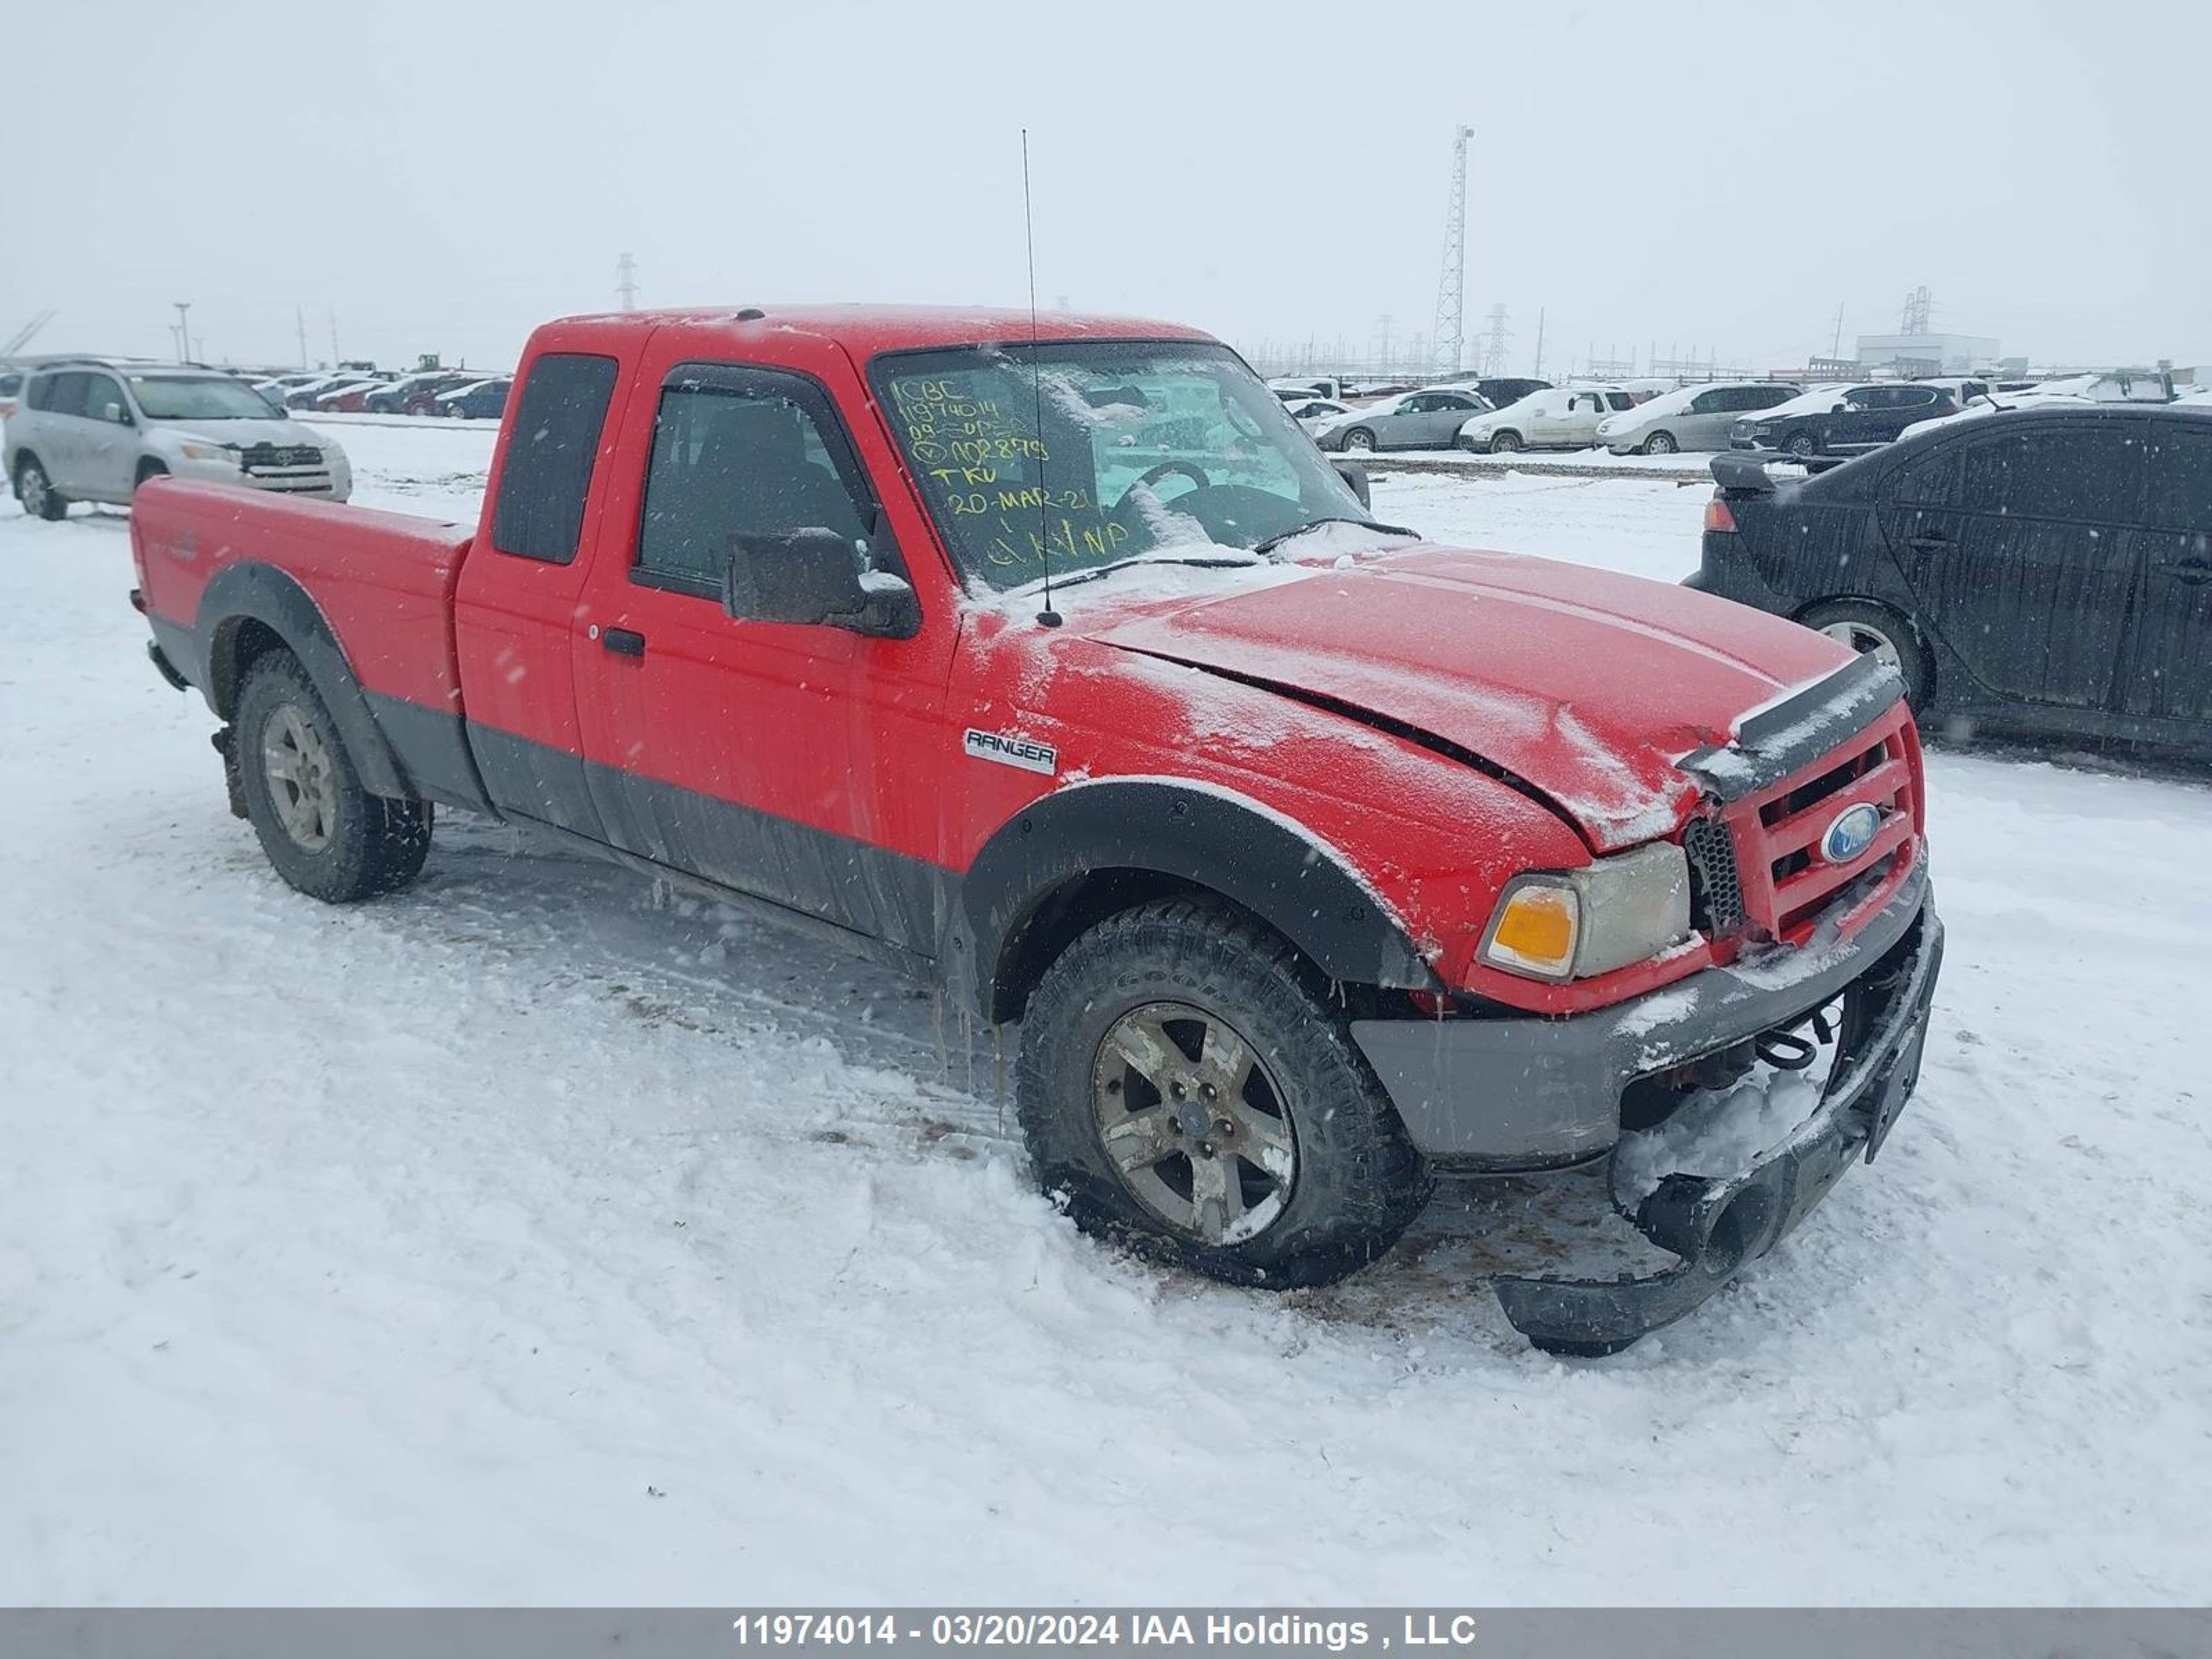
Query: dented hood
(1584, 685)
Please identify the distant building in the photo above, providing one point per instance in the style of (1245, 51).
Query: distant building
(1926, 354)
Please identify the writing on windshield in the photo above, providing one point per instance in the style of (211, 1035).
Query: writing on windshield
(1087, 454)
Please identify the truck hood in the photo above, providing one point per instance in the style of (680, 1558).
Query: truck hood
(1581, 685)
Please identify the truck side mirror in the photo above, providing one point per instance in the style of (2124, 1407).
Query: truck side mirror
(1355, 475)
(811, 576)
(111, 410)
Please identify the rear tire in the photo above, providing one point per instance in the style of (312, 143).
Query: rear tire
(1294, 1171)
(1875, 630)
(37, 492)
(324, 833)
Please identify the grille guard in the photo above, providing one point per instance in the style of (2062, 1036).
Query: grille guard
(1795, 730)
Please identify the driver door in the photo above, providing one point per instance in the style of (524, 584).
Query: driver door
(777, 759)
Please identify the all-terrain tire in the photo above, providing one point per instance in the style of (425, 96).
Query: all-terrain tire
(36, 491)
(360, 844)
(1358, 1182)
(1876, 630)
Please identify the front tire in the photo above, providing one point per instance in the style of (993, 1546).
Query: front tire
(149, 469)
(1359, 441)
(1661, 443)
(1186, 1083)
(1804, 445)
(324, 833)
(1875, 630)
(37, 492)
(1504, 443)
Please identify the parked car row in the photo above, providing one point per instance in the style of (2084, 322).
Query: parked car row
(86, 430)
(461, 393)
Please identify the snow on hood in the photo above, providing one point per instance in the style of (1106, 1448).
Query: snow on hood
(1586, 684)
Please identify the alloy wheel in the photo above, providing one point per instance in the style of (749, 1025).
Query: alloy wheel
(302, 785)
(1193, 1122)
(1867, 640)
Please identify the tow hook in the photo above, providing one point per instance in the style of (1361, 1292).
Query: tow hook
(226, 744)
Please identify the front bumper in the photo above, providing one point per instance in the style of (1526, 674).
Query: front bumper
(1717, 1225)
(1533, 1092)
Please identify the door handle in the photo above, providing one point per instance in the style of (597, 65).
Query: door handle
(1927, 541)
(2190, 570)
(624, 642)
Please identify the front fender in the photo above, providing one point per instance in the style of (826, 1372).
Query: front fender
(1247, 853)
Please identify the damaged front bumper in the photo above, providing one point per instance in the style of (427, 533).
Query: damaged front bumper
(1717, 1225)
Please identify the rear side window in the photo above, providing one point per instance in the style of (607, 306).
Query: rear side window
(552, 444)
(1766, 397)
(65, 394)
(2181, 481)
(2069, 473)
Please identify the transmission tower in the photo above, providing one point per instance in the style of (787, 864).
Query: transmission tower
(1493, 355)
(1451, 285)
(1917, 310)
(23, 336)
(626, 282)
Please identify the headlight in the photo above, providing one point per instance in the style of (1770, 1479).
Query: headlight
(209, 452)
(1576, 924)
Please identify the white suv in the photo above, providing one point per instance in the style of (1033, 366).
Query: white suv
(1559, 417)
(93, 431)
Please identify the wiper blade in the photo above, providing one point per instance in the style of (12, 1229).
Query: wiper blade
(1276, 541)
(1202, 561)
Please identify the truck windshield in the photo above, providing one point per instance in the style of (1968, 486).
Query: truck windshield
(1103, 453)
(208, 397)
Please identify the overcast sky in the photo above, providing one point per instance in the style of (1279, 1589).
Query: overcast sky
(441, 177)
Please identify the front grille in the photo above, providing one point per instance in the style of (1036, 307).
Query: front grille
(1716, 891)
(1783, 882)
(263, 457)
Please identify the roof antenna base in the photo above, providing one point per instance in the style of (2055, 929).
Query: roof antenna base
(1049, 617)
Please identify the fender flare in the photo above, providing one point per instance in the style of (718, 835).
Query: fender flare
(263, 593)
(1245, 852)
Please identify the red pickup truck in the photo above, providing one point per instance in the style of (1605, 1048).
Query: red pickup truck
(1050, 660)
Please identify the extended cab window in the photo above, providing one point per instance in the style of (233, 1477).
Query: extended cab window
(551, 443)
(736, 456)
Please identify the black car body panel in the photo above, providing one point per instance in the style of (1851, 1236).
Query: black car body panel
(1863, 418)
(2052, 567)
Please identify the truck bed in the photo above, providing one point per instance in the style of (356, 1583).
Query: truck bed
(382, 579)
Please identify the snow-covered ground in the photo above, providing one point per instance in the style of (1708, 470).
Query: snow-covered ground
(521, 1240)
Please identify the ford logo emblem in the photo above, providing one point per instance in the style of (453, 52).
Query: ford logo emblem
(1850, 833)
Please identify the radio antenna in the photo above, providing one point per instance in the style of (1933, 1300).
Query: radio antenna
(1049, 616)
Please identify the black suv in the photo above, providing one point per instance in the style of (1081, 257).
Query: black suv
(2047, 571)
(1858, 417)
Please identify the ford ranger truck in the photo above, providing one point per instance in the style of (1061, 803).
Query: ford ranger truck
(1049, 659)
